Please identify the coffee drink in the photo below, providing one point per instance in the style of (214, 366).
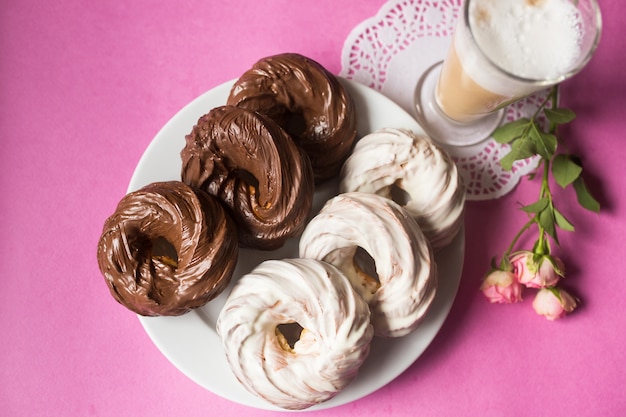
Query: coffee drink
(503, 50)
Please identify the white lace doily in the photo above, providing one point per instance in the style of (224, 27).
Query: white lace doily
(390, 51)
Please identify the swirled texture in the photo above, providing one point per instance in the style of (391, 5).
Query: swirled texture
(331, 348)
(396, 161)
(307, 101)
(167, 249)
(253, 166)
(403, 290)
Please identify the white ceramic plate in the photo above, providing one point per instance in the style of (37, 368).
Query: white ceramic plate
(190, 341)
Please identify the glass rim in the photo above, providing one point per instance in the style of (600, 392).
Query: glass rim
(533, 81)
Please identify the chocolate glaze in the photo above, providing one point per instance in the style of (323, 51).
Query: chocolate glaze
(167, 249)
(307, 101)
(252, 165)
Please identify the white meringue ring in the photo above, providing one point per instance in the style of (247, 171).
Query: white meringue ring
(403, 287)
(334, 342)
(415, 172)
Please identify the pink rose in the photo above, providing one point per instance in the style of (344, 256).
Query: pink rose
(541, 272)
(501, 287)
(553, 303)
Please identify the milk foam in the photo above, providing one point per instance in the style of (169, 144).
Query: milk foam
(532, 39)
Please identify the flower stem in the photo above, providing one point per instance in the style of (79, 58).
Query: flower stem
(544, 192)
(517, 236)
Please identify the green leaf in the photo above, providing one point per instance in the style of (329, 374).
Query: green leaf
(565, 170)
(505, 264)
(584, 197)
(556, 292)
(559, 116)
(547, 222)
(562, 222)
(521, 148)
(537, 259)
(544, 143)
(510, 131)
(537, 206)
(555, 265)
(550, 142)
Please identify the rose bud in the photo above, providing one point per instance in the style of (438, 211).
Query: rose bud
(536, 271)
(501, 287)
(553, 303)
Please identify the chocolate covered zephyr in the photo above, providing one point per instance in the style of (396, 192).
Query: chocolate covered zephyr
(250, 163)
(167, 249)
(307, 101)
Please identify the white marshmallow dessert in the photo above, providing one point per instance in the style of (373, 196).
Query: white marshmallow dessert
(413, 171)
(294, 331)
(401, 285)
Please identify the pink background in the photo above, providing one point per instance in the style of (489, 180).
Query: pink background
(83, 90)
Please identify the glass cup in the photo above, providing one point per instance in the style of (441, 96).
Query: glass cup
(502, 51)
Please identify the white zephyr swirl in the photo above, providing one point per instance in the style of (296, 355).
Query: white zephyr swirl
(403, 257)
(333, 345)
(400, 158)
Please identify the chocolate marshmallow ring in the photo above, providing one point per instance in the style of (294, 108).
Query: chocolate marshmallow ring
(167, 249)
(253, 166)
(307, 101)
(333, 321)
(400, 163)
(401, 290)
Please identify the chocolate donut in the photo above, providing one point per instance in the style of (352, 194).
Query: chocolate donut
(307, 101)
(167, 249)
(252, 165)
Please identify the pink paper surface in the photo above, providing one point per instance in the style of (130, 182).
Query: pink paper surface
(85, 87)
